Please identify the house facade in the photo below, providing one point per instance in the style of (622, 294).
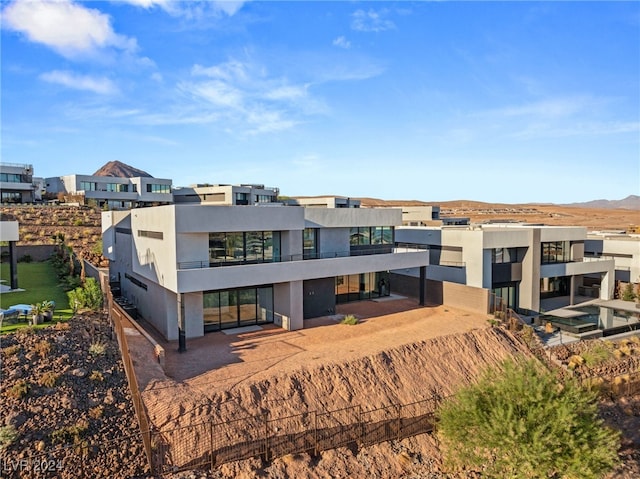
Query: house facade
(623, 248)
(17, 184)
(194, 268)
(232, 195)
(521, 263)
(113, 192)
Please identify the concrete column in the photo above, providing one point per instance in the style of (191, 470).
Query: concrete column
(423, 275)
(13, 264)
(288, 303)
(572, 290)
(182, 337)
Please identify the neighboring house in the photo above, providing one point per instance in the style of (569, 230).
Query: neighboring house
(521, 263)
(324, 202)
(17, 183)
(208, 268)
(623, 248)
(239, 195)
(113, 192)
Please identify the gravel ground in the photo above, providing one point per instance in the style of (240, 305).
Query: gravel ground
(76, 417)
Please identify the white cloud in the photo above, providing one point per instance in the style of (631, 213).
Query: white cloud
(287, 92)
(68, 28)
(102, 86)
(371, 21)
(342, 42)
(191, 9)
(215, 92)
(155, 76)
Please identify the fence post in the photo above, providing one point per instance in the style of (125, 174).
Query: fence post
(266, 436)
(315, 433)
(399, 424)
(361, 424)
(211, 446)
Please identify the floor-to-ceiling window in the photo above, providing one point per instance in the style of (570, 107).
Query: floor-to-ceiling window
(508, 293)
(556, 252)
(244, 247)
(354, 287)
(237, 307)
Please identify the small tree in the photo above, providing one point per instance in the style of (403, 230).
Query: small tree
(519, 422)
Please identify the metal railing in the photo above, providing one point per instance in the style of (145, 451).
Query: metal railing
(387, 249)
(210, 444)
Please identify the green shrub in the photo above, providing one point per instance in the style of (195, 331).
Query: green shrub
(597, 354)
(48, 379)
(88, 296)
(519, 422)
(8, 435)
(25, 259)
(19, 390)
(97, 348)
(349, 319)
(11, 350)
(70, 434)
(43, 348)
(627, 293)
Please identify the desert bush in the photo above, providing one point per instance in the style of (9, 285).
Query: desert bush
(26, 331)
(70, 434)
(627, 293)
(575, 361)
(597, 354)
(96, 412)
(61, 326)
(48, 379)
(19, 390)
(11, 350)
(96, 376)
(518, 421)
(97, 348)
(8, 435)
(350, 319)
(42, 348)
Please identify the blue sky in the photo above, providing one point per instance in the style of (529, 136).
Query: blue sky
(502, 102)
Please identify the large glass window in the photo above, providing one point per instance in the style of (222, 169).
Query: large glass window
(242, 199)
(504, 255)
(237, 307)
(556, 252)
(88, 186)
(11, 178)
(310, 243)
(354, 287)
(371, 235)
(154, 188)
(117, 187)
(247, 247)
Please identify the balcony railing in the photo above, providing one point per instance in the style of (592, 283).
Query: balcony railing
(390, 249)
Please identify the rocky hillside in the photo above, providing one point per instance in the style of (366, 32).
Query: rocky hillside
(65, 403)
(81, 227)
(121, 170)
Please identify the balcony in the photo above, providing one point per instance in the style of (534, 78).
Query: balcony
(307, 256)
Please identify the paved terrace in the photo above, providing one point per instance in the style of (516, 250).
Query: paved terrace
(222, 360)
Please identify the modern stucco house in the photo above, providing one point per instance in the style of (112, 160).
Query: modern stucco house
(17, 183)
(623, 248)
(238, 195)
(113, 192)
(193, 268)
(521, 263)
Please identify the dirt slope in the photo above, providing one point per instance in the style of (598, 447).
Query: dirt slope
(400, 375)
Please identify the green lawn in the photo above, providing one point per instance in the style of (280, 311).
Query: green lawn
(40, 283)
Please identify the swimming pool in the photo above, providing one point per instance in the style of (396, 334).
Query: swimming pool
(609, 320)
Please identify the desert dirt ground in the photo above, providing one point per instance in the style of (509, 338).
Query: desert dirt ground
(225, 360)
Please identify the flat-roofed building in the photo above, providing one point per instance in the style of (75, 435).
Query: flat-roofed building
(521, 263)
(112, 192)
(17, 183)
(237, 195)
(208, 267)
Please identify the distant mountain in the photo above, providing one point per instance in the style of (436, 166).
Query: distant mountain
(121, 170)
(631, 202)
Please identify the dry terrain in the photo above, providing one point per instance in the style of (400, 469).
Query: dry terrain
(550, 214)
